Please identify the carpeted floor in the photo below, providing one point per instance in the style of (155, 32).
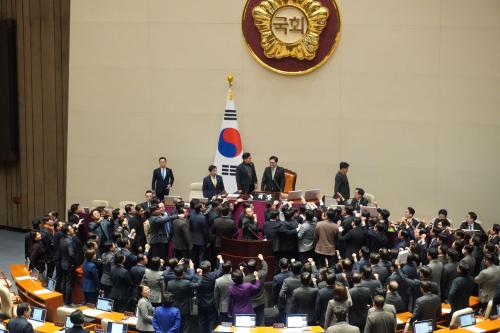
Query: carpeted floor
(11, 249)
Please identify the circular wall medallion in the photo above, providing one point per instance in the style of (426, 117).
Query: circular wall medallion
(291, 37)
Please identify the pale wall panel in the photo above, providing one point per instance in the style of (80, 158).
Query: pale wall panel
(409, 98)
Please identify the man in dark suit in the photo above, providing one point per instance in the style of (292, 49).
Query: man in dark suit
(270, 229)
(461, 289)
(428, 306)
(137, 273)
(341, 189)
(246, 178)
(289, 285)
(354, 239)
(122, 284)
(449, 272)
(183, 291)
(163, 179)
(304, 298)
(224, 226)
(149, 200)
(20, 324)
(213, 184)
(325, 294)
(471, 224)
(77, 319)
(183, 243)
(199, 233)
(159, 237)
(207, 315)
(358, 199)
(288, 236)
(361, 300)
(273, 179)
(67, 263)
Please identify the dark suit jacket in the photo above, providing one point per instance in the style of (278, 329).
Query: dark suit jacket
(208, 187)
(122, 283)
(449, 274)
(183, 291)
(223, 226)
(199, 229)
(157, 228)
(427, 307)
(67, 253)
(477, 226)
(182, 235)
(271, 230)
(361, 300)
(288, 236)
(356, 204)
(273, 185)
(341, 186)
(245, 183)
(324, 296)
(460, 291)
(354, 239)
(136, 274)
(19, 325)
(285, 296)
(278, 283)
(304, 301)
(205, 291)
(395, 299)
(158, 183)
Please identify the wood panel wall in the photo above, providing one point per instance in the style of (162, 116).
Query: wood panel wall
(36, 183)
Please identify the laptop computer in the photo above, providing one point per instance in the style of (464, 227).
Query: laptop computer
(296, 321)
(116, 328)
(372, 210)
(467, 319)
(241, 320)
(51, 284)
(68, 323)
(37, 317)
(312, 195)
(424, 326)
(104, 304)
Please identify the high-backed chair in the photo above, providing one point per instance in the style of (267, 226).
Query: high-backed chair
(122, 204)
(454, 319)
(195, 190)
(6, 306)
(290, 180)
(99, 203)
(489, 308)
(369, 197)
(62, 312)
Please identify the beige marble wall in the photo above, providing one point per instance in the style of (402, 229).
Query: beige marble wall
(411, 99)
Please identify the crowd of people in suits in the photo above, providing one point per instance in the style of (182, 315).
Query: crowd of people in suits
(339, 266)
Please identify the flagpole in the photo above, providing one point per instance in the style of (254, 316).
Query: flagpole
(230, 79)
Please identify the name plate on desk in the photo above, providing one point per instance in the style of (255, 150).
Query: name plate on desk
(266, 196)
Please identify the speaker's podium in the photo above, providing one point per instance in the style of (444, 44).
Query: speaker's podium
(238, 250)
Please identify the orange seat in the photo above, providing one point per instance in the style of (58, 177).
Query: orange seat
(290, 180)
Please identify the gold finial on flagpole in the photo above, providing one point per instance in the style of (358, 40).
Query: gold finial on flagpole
(230, 79)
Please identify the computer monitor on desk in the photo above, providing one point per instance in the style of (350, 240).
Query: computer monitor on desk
(104, 304)
(467, 319)
(38, 314)
(424, 326)
(51, 284)
(68, 323)
(244, 320)
(296, 321)
(116, 328)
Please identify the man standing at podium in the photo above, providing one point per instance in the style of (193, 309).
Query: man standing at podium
(273, 179)
(246, 178)
(213, 184)
(163, 179)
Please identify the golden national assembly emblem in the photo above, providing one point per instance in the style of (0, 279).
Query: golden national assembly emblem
(291, 36)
